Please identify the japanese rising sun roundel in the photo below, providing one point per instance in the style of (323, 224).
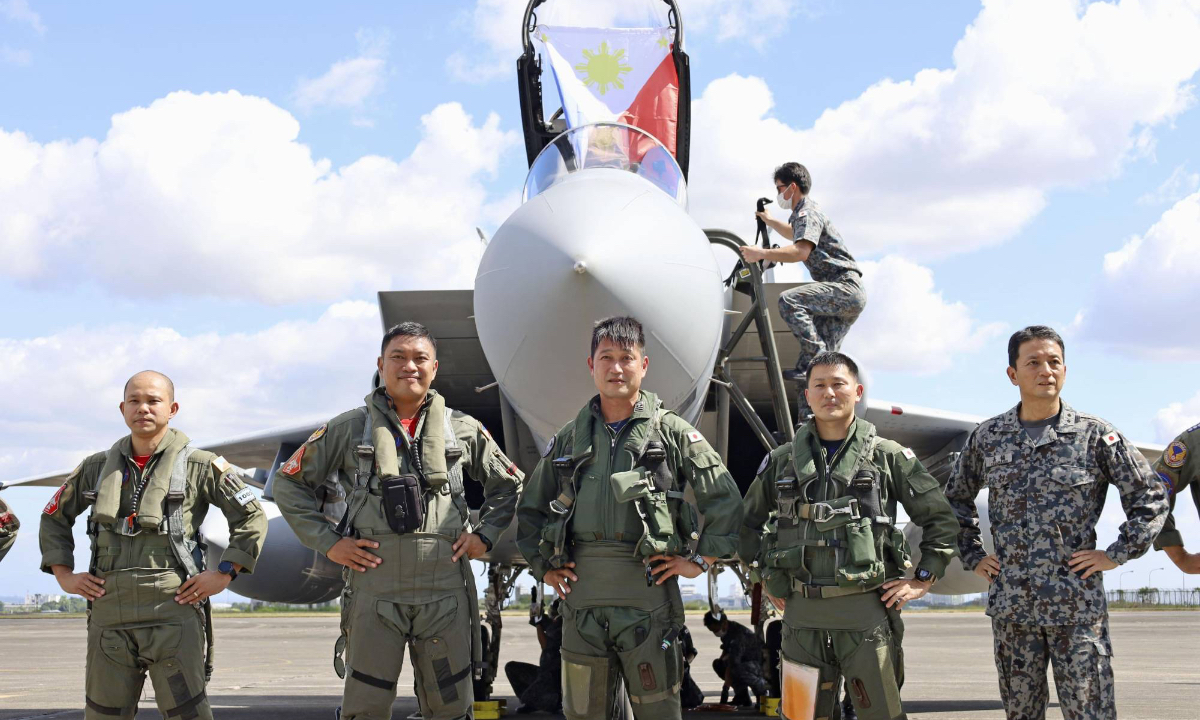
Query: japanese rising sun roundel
(624, 75)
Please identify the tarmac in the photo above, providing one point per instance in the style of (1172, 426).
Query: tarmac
(279, 667)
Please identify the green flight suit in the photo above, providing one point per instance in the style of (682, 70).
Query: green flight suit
(613, 623)
(9, 524)
(828, 547)
(136, 628)
(1178, 468)
(417, 596)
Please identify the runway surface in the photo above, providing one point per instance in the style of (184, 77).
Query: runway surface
(280, 667)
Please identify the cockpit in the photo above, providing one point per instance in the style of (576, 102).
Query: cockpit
(606, 145)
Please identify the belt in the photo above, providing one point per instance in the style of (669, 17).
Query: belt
(827, 591)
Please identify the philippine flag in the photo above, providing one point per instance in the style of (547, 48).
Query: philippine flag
(616, 74)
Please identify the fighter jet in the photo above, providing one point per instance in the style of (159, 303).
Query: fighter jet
(603, 229)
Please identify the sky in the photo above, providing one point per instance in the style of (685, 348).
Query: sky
(218, 191)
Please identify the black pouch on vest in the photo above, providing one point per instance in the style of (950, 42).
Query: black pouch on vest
(402, 503)
(864, 487)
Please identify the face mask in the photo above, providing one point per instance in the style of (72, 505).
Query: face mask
(782, 202)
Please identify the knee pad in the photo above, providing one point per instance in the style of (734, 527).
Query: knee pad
(586, 681)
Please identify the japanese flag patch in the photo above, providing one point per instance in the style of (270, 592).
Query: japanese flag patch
(52, 506)
(694, 436)
(292, 466)
(244, 496)
(802, 213)
(1110, 438)
(908, 453)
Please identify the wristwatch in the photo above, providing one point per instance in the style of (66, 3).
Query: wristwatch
(486, 543)
(226, 568)
(699, 560)
(925, 576)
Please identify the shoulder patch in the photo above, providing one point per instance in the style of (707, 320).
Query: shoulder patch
(549, 446)
(318, 433)
(292, 466)
(244, 497)
(763, 465)
(1168, 482)
(1175, 454)
(221, 464)
(908, 453)
(1111, 438)
(694, 436)
(52, 506)
(802, 213)
(484, 429)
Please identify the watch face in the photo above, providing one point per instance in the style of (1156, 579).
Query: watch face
(225, 567)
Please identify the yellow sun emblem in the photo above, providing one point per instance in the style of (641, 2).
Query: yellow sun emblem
(603, 69)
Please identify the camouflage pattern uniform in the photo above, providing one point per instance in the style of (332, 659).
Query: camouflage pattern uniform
(9, 524)
(690, 694)
(834, 619)
(539, 687)
(741, 657)
(1044, 500)
(821, 312)
(615, 624)
(432, 611)
(137, 628)
(1178, 468)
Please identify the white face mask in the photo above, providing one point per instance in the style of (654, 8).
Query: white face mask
(782, 202)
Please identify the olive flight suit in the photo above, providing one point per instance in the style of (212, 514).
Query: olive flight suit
(9, 524)
(417, 596)
(144, 527)
(1178, 468)
(820, 532)
(608, 500)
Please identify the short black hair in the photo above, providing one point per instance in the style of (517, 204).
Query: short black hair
(1033, 332)
(407, 329)
(623, 330)
(170, 385)
(794, 172)
(831, 358)
(712, 622)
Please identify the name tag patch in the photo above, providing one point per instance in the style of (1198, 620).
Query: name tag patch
(244, 496)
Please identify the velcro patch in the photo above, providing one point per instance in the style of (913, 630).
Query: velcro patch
(549, 446)
(317, 433)
(1193, 428)
(221, 464)
(1175, 454)
(244, 497)
(292, 466)
(694, 436)
(1110, 438)
(802, 213)
(763, 465)
(1168, 482)
(908, 453)
(52, 506)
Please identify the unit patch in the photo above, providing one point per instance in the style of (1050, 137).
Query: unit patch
(52, 506)
(1175, 454)
(244, 496)
(1168, 482)
(317, 433)
(763, 465)
(549, 446)
(7, 519)
(292, 466)
(221, 464)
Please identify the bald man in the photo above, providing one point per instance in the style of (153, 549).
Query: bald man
(146, 586)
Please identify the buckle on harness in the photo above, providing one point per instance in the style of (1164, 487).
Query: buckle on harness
(558, 508)
(128, 526)
(364, 452)
(824, 512)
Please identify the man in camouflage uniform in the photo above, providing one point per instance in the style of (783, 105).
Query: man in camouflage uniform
(625, 461)
(821, 312)
(1047, 468)
(539, 687)
(740, 665)
(405, 539)
(9, 524)
(1179, 469)
(820, 532)
(148, 599)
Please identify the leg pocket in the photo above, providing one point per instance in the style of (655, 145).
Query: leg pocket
(442, 659)
(586, 681)
(175, 655)
(652, 674)
(870, 672)
(113, 679)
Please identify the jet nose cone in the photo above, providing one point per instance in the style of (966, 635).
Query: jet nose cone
(599, 243)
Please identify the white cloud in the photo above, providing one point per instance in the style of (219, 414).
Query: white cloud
(908, 325)
(753, 21)
(1180, 183)
(349, 82)
(1175, 418)
(213, 194)
(19, 11)
(1042, 94)
(59, 392)
(1144, 303)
